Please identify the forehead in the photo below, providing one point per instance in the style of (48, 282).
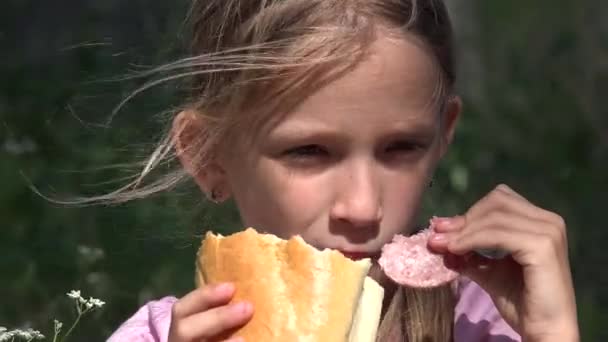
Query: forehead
(393, 87)
(400, 65)
(398, 80)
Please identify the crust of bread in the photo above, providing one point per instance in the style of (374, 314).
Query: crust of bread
(367, 317)
(298, 292)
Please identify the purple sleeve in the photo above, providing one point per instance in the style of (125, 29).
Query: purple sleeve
(477, 319)
(149, 324)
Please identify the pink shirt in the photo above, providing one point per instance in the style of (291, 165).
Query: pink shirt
(476, 319)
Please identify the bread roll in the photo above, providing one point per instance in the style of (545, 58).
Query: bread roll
(298, 292)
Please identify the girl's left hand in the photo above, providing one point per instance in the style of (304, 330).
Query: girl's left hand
(532, 288)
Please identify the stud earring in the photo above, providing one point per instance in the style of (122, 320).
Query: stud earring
(215, 195)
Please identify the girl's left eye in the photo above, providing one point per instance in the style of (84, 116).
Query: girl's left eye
(307, 151)
(403, 146)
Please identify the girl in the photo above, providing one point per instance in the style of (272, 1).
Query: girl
(327, 118)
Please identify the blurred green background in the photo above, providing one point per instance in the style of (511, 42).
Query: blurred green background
(532, 74)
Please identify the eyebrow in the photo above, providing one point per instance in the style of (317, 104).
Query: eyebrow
(417, 131)
(305, 132)
(308, 131)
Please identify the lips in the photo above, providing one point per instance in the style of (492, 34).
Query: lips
(352, 254)
(356, 255)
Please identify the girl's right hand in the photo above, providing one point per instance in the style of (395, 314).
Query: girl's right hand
(204, 314)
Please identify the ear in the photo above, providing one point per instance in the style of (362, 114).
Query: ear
(187, 132)
(452, 114)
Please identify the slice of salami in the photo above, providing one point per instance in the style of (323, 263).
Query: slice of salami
(409, 262)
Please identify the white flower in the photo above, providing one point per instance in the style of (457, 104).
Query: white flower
(6, 336)
(23, 334)
(74, 294)
(96, 302)
(28, 334)
(86, 304)
(32, 334)
(38, 335)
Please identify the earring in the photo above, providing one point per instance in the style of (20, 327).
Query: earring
(215, 195)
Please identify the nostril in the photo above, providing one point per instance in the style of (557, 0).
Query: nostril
(361, 224)
(359, 217)
(355, 231)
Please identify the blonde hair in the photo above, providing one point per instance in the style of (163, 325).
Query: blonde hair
(252, 60)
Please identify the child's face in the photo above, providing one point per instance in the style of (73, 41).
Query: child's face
(348, 167)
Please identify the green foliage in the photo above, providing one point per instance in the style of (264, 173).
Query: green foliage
(534, 119)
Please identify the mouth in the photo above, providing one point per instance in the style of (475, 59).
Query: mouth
(356, 255)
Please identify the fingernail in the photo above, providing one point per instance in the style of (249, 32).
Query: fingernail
(242, 308)
(439, 238)
(224, 288)
(444, 223)
(440, 220)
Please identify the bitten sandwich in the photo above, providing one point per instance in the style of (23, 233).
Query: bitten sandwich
(299, 293)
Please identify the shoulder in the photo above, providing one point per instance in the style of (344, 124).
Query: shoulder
(149, 324)
(476, 318)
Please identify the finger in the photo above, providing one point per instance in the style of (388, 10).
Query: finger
(441, 236)
(214, 322)
(235, 339)
(496, 230)
(504, 220)
(439, 240)
(543, 214)
(490, 202)
(515, 224)
(507, 189)
(439, 244)
(496, 238)
(525, 247)
(500, 200)
(202, 299)
(447, 224)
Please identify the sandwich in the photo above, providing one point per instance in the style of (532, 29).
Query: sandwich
(299, 293)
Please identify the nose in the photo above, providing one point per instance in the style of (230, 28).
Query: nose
(358, 199)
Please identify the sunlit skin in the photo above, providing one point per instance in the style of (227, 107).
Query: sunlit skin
(347, 169)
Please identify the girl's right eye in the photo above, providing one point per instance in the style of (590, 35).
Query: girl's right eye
(306, 152)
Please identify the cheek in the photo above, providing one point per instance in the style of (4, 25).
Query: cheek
(281, 203)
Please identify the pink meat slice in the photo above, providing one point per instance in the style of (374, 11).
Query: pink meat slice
(409, 262)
